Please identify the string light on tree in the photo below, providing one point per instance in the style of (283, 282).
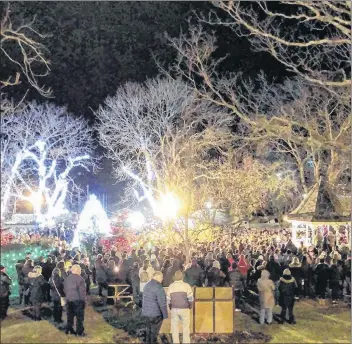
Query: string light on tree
(51, 187)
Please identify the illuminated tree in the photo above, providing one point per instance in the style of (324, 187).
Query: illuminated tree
(174, 149)
(40, 146)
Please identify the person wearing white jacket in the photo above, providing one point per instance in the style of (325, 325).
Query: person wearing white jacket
(266, 289)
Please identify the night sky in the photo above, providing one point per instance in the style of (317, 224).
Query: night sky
(94, 47)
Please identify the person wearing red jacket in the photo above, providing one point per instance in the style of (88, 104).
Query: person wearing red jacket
(243, 266)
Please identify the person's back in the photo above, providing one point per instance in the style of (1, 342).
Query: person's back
(180, 300)
(154, 299)
(322, 272)
(194, 275)
(74, 287)
(296, 270)
(266, 289)
(180, 295)
(287, 288)
(236, 279)
(274, 269)
(215, 275)
(75, 292)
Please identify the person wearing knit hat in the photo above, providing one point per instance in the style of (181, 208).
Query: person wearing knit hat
(4, 292)
(287, 287)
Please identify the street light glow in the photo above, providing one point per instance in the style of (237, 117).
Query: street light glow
(136, 219)
(208, 205)
(36, 198)
(168, 206)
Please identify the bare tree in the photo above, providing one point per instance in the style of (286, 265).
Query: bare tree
(40, 145)
(168, 142)
(311, 38)
(29, 55)
(306, 121)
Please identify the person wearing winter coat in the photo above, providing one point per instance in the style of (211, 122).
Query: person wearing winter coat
(101, 276)
(287, 259)
(135, 258)
(243, 266)
(148, 268)
(266, 290)
(170, 272)
(75, 292)
(331, 240)
(111, 272)
(258, 270)
(275, 272)
(291, 246)
(208, 261)
(287, 287)
(296, 272)
(236, 281)
(322, 277)
(250, 282)
(86, 273)
(305, 277)
(230, 259)
(61, 266)
(224, 264)
(194, 275)
(38, 286)
(274, 269)
(47, 268)
(154, 307)
(180, 300)
(334, 281)
(114, 257)
(154, 263)
(166, 265)
(27, 268)
(92, 259)
(5, 285)
(56, 292)
(215, 276)
(124, 270)
(135, 282)
(20, 279)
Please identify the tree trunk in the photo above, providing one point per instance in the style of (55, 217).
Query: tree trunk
(187, 243)
(302, 177)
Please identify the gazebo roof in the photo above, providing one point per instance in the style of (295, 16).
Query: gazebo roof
(321, 204)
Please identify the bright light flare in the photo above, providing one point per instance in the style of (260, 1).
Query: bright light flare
(36, 198)
(168, 206)
(136, 219)
(208, 205)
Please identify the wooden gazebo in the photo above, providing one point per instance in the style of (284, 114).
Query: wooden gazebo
(321, 210)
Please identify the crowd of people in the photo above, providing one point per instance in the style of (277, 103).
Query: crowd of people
(38, 235)
(263, 261)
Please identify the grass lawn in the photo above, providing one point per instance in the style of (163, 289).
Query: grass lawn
(314, 325)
